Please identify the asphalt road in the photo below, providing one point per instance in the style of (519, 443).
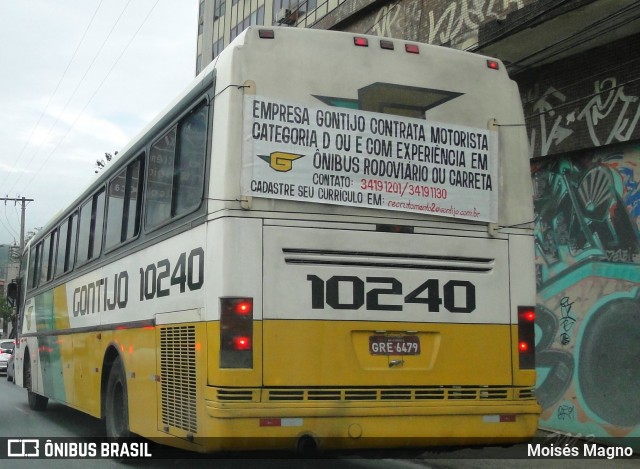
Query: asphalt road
(18, 421)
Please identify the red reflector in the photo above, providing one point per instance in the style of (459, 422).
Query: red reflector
(493, 64)
(242, 343)
(412, 48)
(266, 33)
(361, 41)
(275, 422)
(523, 346)
(508, 418)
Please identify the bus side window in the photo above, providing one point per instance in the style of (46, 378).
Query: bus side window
(66, 245)
(160, 177)
(48, 252)
(33, 266)
(63, 246)
(123, 210)
(90, 230)
(189, 170)
(175, 174)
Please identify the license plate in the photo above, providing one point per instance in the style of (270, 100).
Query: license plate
(394, 345)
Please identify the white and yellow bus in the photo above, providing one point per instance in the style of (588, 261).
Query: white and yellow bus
(324, 242)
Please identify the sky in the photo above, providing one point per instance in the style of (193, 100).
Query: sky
(79, 78)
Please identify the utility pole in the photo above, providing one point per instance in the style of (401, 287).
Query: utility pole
(23, 202)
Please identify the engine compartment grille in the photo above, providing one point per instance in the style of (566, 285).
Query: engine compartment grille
(178, 377)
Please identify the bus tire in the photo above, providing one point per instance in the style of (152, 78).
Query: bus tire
(36, 401)
(116, 403)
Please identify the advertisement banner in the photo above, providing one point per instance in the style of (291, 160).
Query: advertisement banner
(365, 159)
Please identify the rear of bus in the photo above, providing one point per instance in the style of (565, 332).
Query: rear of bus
(356, 305)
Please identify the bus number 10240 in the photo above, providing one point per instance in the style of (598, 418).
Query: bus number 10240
(376, 293)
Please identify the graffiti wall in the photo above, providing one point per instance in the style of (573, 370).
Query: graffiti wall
(454, 23)
(588, 100)
(588, 273)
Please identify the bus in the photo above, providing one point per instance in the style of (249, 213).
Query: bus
(324, 242)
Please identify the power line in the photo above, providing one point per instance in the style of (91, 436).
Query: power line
(87, 70)
(94, 93)
(23, 202)
(582, 35)
(64, 74)
(611, 71)
(538, 12)
(10, 228)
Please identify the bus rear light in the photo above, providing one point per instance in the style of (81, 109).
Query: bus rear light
(243, 308)
(242, 343)
(361, 41)
(388, 45)
(236, 333)
(529, 316)
(266, 34)
(493, 64)
(526, 337)
(412, 48)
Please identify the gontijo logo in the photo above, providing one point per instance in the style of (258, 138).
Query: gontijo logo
(280, 161)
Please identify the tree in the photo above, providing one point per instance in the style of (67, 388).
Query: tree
(6, 313)
(101, 164)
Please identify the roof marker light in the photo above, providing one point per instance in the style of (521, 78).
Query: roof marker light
(266, 33)
(412, 48)
(361, 41)
(384, 44)
(493, 64)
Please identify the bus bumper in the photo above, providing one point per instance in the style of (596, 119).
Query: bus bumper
(232, 427)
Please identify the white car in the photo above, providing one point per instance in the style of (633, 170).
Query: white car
(7, 347)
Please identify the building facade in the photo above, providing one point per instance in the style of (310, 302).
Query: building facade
(220, 21)
(577, 63)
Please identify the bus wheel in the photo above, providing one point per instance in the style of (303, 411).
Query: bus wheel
(116, 403)
(36, 401)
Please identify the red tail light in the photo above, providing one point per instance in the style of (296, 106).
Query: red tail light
(243, 308)
(526, 337)
(242, 343)
(236, 333)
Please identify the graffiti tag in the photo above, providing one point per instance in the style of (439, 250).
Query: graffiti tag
(566, 320)
(611, 115)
